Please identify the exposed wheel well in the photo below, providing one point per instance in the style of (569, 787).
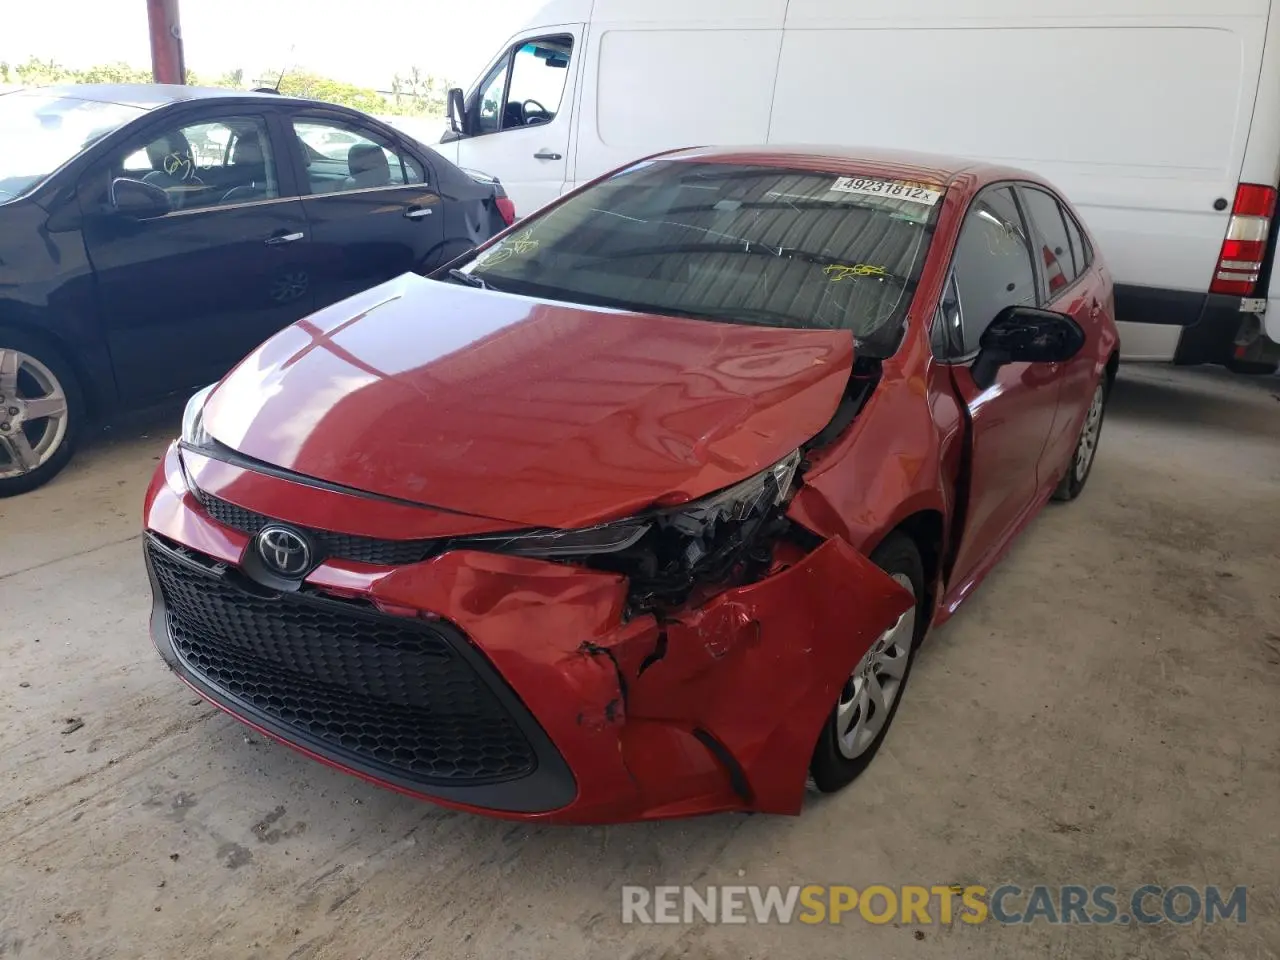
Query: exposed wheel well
(1113, 367)
(925, 529)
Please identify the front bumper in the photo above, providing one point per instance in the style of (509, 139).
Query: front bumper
(510, 686)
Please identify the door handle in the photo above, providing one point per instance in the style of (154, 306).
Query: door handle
(417, 213)
(546, 155)
(285, 238)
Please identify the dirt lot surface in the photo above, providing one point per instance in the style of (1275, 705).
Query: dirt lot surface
(1105, 710)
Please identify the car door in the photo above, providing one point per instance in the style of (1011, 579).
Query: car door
(1071, 287)
(197, 241)
(373, 207)
(517, 120)
(1012, 417)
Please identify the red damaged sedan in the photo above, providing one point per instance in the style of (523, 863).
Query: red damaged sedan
(642, 509)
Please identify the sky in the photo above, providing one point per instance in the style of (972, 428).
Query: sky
(360, 41)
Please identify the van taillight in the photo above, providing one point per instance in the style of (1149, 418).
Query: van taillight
(508, 210)
(1243, 251)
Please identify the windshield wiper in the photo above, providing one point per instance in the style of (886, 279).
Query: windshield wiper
(470, 279)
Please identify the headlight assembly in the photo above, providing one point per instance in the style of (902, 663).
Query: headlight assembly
(665, 553)
(193, 432)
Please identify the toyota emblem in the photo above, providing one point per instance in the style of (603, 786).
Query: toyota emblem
(284, 551)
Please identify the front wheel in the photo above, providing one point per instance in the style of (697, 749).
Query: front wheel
(40, 413)
(869, 700)
(1086, 447)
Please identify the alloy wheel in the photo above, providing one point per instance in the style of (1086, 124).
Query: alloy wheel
(868, 696)
(34, 413)
(1088, 445)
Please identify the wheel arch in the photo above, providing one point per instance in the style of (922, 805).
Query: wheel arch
(926, 528)
(96, 395)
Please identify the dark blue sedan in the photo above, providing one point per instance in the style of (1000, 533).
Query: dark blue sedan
(151, 236)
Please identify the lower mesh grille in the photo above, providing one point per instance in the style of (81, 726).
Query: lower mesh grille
(343, 546)
(386, 691)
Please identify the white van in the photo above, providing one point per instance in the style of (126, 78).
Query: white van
(1154, 116)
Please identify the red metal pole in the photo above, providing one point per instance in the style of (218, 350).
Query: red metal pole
(167, 65)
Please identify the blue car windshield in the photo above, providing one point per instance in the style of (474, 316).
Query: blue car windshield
(735, 243)
(41, 131)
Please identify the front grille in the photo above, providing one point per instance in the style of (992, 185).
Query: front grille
(343, 546)
(387, 692)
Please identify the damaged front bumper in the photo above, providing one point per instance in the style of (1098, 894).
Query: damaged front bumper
(517, 687)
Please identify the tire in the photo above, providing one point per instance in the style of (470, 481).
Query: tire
(40, 373)
(838, 758)
(1086, 450)
(1250, 368)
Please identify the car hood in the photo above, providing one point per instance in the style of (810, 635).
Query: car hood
(526, 411)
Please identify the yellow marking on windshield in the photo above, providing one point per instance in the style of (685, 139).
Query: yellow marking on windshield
(837, 272)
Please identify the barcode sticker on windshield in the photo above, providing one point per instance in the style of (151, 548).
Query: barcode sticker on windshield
(889, 189)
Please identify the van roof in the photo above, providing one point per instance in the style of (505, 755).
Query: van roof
(849, 161)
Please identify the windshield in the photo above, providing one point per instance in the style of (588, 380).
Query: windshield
(730, 242)
(42, 131)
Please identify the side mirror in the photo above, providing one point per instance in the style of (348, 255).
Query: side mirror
(1025, 335)
(457, 111)
(138, 200)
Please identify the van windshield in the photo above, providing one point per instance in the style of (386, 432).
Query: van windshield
(730, 242)
(42, 131)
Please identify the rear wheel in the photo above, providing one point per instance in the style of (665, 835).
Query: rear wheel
(1086, 452)
(869, 700)
(1251, 368)
(40, 413)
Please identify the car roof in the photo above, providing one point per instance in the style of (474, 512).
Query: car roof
(146, 96)
(929, 168)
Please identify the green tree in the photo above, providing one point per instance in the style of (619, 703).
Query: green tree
(36, 72)
(232, 78)
(110, 73)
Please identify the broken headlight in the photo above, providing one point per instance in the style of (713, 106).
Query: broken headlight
(193, 432)
(666, 553)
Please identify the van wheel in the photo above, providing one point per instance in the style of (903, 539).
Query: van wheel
(1251, 368)
(869, 700)
(41, 413)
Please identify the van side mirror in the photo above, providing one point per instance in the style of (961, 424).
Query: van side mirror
(1025, 335)
(138, 200)
(457, 111)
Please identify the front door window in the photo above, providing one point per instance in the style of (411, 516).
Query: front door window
(526, 88)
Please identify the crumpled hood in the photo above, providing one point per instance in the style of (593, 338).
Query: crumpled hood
(526, 411)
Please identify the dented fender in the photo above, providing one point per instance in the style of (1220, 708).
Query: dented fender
(760, 667)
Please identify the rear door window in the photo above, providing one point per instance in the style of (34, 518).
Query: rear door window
(1049, 230)
(340, 158)
(1079, 246)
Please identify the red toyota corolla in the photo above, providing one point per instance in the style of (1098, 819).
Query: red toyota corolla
(642, 509)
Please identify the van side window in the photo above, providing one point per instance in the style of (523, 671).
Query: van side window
(1050, 232)
(993, 266)
(492, 96)
(526, 88)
